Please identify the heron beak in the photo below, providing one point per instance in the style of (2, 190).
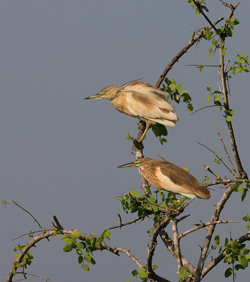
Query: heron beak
(92, 97)
(133, 164)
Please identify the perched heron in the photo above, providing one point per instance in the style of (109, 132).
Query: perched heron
(141, 100)
(170, 177)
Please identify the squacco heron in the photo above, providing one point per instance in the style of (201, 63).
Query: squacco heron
(141, 100)
(170, 177)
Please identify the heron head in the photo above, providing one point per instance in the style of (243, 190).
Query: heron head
(108, 93)
(137, 163)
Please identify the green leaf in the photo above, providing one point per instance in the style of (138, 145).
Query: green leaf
(135, 273)
(197, 11)
(107, 234)
(209, 55)
(159, 130)
(85, 267)
(233, 244)
(217, 98)
(155, 267)
(242, 54)
(80, 245)
(228, 272)
(226, 242)
(182, 271)
(235, 21)
(246, 218)
(243, 261)
(172, 86)
(190, 108)
(217, 239)
(67, 248)
(143, 275)
(135, 193)
(208, 98)
(155, 209)
(228, 119)
(80, 259)
(248, 226)
(179, 87)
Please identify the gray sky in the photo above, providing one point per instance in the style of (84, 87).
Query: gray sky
(59, 153)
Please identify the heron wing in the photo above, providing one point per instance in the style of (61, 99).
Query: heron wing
(151, 106)
(143, 87)
(184, 181)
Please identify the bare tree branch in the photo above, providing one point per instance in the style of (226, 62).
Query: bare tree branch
(226, 181)
(203, 225)
(212, 172)
(140, 218)
(170, 246)
(210, 232)
(176, 241)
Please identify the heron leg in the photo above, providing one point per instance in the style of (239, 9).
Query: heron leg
(145, 131)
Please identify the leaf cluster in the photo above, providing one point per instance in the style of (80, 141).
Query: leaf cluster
(84, 246)
(147, 205)
(26, 260)
(241, 65)
(236, 254)
(176, 93)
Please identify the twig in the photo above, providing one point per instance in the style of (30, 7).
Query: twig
(127, 223)
(212, 172)
(29, 214)
(127, 252)
(204, 15)
(203, 225)
(226, 181)
(216, 156)
(221, 139)
(183, 217)
(192, 41)
(161, 157)
(47, 280)
(211, 66)
(228, 60)
(210, 106)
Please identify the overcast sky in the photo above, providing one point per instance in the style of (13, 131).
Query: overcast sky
(59, 153)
